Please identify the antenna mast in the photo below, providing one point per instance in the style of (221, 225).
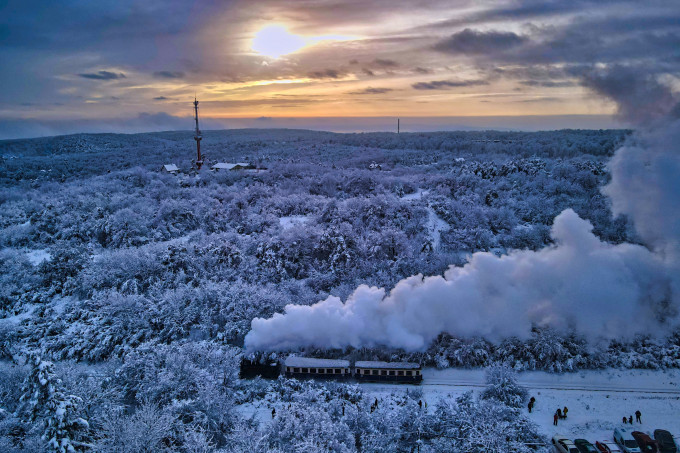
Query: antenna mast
(197, 136)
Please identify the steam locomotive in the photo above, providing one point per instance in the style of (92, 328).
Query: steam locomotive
(306, 368)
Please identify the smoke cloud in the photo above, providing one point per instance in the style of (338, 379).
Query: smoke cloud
(580, 283)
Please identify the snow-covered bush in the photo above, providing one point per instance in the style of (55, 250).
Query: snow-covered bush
(502, 386)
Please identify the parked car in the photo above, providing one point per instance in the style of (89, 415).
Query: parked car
(625, 440)
(607, 446)
(646, 443)
(665, 441)
(584, 446)
(564, 445)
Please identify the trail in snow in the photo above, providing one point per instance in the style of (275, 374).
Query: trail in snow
(435, 224)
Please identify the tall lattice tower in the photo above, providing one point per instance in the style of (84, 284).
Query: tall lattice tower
(197, 137)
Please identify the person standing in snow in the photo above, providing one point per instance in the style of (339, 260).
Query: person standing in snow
(630, 419)
(564, 412)
(638, 416)
(273, 412)
(555, 418)
(625, 420)
(531, 406)
(559, 413)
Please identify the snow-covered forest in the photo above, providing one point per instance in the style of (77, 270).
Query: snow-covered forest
(126, 292)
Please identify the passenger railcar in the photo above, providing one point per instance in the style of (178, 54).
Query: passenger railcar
(368, 371)
(306, 367)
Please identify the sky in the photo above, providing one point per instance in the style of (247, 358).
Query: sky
(131, 66)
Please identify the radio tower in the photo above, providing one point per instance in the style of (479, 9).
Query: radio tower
(197, 137)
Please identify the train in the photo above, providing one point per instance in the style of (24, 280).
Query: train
(340, 370)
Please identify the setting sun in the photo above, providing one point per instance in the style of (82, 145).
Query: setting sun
(275, 40)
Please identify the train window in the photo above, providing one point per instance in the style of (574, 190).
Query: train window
(312, 370)
(322, 371)
(409, 373)
(391, 373)
(375, 372)
(304, 370)
(296, 370)
(384, 372)
(400, 373)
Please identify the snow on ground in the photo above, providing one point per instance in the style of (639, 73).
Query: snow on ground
(38, 256)
(417, 195)
(15, 320)
(597, 399)
(290, 221)
(435, 226)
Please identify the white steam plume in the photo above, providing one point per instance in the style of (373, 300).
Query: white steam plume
(597, 289)
(582, 283)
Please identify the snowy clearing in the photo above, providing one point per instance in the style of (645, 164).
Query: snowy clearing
(417, 195)
(290, 221)
(38, 256)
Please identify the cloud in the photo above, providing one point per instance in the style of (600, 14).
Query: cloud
(540, 100)
(160, 98)
(548, 83)
(103, 75)
(446, 84)
(384, 63)
(371, 90)
(169, 74)
(420, 70)
(368, 72)
(326, 74)
(641, 99)
(475, 42)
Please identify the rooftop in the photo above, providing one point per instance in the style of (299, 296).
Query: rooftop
(229, 166)
(388, 365)
(309, 362)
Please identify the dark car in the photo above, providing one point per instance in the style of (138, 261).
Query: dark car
(607, 447)
(584, 446)
(646, 443)
(665, 441)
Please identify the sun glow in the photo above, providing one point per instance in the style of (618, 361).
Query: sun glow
(275, 41)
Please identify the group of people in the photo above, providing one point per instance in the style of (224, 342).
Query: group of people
(560, 414)
(638, 418)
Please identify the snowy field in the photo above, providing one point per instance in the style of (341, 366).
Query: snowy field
(597, 400)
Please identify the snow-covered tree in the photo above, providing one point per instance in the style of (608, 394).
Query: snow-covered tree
(44, 401)
(502, 386)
